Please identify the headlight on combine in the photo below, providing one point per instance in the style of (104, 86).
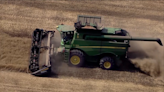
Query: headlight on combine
(60, 49)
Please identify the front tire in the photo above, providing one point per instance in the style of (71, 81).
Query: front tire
(107, 63)
(76, 58)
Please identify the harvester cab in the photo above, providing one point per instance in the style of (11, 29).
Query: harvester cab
(66, 32)
(86, 41)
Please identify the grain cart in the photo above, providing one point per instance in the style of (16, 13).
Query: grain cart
(86, 41)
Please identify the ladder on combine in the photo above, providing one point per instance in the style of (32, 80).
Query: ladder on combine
(38, 35)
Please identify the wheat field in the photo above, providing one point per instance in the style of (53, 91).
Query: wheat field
(19, 18)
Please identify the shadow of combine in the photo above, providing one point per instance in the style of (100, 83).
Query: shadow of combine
(126, 65)
(90, 69)
(49, 75)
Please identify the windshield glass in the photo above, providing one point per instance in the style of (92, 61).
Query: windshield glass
(67, 36)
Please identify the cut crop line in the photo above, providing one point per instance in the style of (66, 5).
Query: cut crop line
(18, 87)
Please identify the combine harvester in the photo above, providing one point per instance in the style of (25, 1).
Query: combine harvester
(86, 41)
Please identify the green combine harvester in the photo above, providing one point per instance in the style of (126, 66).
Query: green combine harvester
(86, 41)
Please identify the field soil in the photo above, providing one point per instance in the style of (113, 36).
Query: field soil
(143, 72)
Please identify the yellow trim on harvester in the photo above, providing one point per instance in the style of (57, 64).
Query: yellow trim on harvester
(75, 60)
(111, 47)
(45, 69)
(107, 64)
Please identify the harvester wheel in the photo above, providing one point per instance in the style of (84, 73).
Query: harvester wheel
(76, 58)
(107, 63)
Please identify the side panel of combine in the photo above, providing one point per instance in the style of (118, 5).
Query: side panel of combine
(116, 48)
(91, 48)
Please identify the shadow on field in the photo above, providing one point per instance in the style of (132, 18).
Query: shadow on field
(129, 73)
(126, 65)
(49, 75)
(90, 70)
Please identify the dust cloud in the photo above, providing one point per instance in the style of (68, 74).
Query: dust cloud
(55, 40)
(57, 64)
(148, 56)
(57, 58)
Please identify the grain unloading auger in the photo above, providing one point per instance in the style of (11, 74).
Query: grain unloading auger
(37, 37)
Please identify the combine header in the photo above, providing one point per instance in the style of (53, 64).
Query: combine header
(86, 41)
(38, 36)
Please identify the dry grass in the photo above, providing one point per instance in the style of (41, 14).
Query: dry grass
(20, 17)
(19, 82)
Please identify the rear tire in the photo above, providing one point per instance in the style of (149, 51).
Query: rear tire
(76, 58)
(107, 63)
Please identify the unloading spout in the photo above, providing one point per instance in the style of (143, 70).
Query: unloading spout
(109, 37)
(159, 41)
